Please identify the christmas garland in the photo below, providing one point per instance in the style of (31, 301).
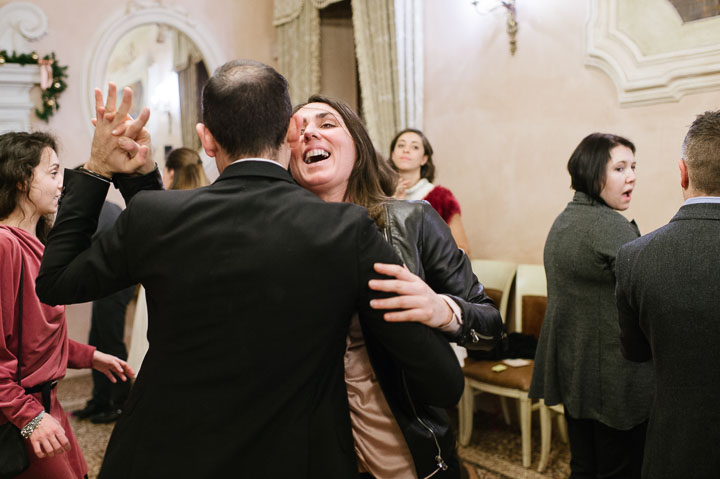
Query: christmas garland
(56, 84)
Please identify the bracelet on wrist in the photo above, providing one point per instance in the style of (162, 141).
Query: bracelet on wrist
(95, 175)
(30, 427)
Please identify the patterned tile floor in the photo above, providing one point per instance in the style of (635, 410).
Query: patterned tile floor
(494, 449)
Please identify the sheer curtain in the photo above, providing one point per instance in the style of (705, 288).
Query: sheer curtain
(187, 61)
(375, 48)
(409, 42)
(298, 27)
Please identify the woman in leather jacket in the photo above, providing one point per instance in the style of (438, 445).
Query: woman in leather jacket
(395, 436)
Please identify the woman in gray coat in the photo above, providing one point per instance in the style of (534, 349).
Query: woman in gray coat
(579, 361)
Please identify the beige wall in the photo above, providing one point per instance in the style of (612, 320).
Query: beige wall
(240, 29)
(503, 127)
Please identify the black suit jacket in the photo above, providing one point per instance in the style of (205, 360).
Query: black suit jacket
(251, 283)
(668, 296)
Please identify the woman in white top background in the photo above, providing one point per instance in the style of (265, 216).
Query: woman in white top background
(411, 156)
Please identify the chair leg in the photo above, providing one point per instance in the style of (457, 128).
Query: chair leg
(519, 411)
(505, 409)
(545, 435)
(465, 415)
(562, 427)
(525, 429)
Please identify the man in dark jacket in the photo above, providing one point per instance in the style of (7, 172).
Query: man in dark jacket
(667, 296)
(107, 333)
(251, 283)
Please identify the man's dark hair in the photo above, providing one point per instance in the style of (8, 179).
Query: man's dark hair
(588, 163)
(701, 152)
(246, 107)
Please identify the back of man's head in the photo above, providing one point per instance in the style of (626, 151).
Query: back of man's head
(701, 152)
(246, 107)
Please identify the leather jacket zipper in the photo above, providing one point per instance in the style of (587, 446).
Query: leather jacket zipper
(441, 465)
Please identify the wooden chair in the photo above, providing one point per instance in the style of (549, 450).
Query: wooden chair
(497, 278)
(538, 286)
(530, 303)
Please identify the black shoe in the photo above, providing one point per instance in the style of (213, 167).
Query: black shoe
(105, 417)
(91, 408)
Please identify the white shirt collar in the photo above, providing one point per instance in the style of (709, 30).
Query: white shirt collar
(258, 159)
(702, 199)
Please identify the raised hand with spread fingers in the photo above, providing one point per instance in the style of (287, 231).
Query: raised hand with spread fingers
(120, 144)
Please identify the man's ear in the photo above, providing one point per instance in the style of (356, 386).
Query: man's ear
(207, 140)
(684, 175)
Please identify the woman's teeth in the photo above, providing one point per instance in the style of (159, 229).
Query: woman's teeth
(313, 156)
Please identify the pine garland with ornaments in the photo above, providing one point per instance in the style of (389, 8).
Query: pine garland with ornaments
(52, 80)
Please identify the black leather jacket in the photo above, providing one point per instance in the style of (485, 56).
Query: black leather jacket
(424, 242)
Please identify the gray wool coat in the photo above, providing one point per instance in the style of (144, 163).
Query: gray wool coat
(579, 361)
(668, 297)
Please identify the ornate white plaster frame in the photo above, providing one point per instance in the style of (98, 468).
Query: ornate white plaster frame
(646, 79)
(20, 24)
(139, 13)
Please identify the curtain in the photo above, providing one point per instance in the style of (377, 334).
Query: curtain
(375, 47)
(409, 34)
(298, 28)
(187, 61)
(389, 51)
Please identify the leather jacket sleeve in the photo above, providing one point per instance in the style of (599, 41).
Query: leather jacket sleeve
(446, 269)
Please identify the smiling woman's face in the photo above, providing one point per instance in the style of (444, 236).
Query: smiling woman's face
(325, 155)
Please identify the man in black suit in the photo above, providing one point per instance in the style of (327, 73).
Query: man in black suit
(251, 283)
(107, 333)
(669, 305)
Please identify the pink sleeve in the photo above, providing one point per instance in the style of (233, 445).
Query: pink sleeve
(79, 355)
(15, 406)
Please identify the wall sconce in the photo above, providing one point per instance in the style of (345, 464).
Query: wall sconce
(484, 7)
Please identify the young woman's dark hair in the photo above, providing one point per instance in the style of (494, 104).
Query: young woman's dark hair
(588, 163)
(428, 169)
(20, 153)
(368, 180)
(187, 167)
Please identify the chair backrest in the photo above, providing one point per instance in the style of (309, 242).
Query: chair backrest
(497, 278)
(530, 298)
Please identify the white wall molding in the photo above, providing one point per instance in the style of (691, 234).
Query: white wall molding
(20, 24)
(16, 106)
(646, 79)
(137, 13)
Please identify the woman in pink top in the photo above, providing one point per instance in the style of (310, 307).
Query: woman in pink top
(30, 186)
